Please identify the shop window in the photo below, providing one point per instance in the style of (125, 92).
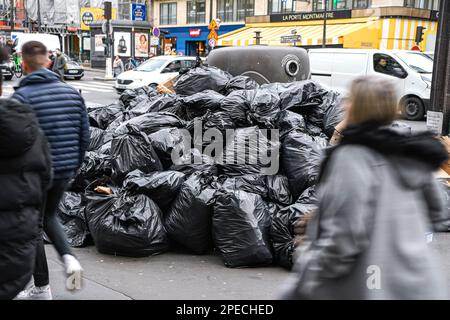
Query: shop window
(196, 11)
(281, 6)
(385, 64)
(168, 13)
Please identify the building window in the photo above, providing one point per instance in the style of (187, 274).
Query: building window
(422, 4)
(361, 4)
(281, 6)
(196, 11)
(235, 10)
(124, 8)
(168, 13)
(318, 5)
(245, 8)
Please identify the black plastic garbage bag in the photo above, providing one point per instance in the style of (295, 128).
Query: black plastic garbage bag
(282, 232)
(240, 83)
(300, 96)
(133, 151)
(264, 107)
(249, 151)
(200, 103)
(301, 156)
(106, 148)
(328, 113)
(288, 121)
(70, 212)
(188, 222)
(201, 79)
(124, 224)
(156, 104)
(236, 105)
(161, 187)
(98, 138)
(218, 120)
(150, 123)
(241, 226)
(131, 97)
(101, 117)
(94, 166)
(164, 141)
(194, 161)
(271, 188)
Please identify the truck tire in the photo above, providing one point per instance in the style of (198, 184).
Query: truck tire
(413, 109)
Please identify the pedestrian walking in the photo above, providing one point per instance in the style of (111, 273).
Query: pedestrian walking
(59, 64)
(118, 66)
(62, 116)
(51, 60)
(377, 198)
(25, 174)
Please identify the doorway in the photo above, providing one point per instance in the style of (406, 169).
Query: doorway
(194, 48)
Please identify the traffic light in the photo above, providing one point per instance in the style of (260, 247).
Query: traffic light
(108, 10)
(419, 34)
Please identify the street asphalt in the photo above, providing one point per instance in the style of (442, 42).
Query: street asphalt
(173, 275)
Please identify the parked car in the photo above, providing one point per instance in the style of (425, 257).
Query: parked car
(153, 71)
(74, 69)
(7, 68)
(411, 70)
(429, 54)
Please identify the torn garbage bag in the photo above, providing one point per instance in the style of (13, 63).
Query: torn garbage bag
(70, 212)
(188, 222)
(161, 187)
(241, 226)
(125, 224)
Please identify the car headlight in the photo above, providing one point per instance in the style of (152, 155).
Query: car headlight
(427, 82)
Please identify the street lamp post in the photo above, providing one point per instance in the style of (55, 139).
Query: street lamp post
(325, 12)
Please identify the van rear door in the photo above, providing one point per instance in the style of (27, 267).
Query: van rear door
(321, 67)
(347, 66)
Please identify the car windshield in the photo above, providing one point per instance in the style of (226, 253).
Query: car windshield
(417, 61)
(151, 65)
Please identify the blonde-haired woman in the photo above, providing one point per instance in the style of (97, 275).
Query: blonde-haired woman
(377, 200)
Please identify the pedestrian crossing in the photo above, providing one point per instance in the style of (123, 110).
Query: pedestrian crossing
(84, 86)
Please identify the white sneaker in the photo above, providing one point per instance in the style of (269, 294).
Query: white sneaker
(74, 272)
(35, 293)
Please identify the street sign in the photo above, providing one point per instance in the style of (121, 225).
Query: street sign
(213, 35)
(154, 41)
(291, 39)
(138, 12)
(416, 48)
(212, 42)
(104, 28)
(213, 25)
(156, 32)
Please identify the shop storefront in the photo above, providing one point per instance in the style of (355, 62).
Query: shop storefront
(191, 40)
(345, 29)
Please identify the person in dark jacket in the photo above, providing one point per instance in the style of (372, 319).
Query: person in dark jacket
(25, 173)
(378, 198)
(59, 64)
(62, 116)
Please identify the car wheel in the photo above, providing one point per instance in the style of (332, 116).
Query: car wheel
(77, 78)
(413, 109)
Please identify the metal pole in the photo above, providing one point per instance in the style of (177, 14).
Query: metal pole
(11, 12)
(210, 10)
(325, 11)
(440, 88)
(39, 15)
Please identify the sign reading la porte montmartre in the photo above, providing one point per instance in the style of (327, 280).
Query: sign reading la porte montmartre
(307, 16)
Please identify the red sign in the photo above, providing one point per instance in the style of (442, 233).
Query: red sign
(416, 48)
(195, 32)
(72, 29)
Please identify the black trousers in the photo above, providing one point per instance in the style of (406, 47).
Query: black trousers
(54, 231)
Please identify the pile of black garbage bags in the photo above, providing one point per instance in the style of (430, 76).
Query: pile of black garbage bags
(154, 204)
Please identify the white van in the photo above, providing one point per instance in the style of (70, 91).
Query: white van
(411, 70)
(51, 41)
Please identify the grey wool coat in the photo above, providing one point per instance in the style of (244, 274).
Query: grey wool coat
(368, 239)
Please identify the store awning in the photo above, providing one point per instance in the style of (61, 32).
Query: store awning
(311, 32)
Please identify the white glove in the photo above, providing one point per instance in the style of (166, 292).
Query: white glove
(74, 272)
